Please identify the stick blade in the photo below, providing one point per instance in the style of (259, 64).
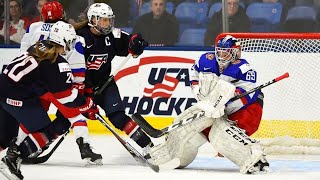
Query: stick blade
(146, 127)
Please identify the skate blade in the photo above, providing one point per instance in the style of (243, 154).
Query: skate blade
(6, 173)
(89, 163)
(170, 165)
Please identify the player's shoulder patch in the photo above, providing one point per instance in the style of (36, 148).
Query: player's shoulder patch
(116, 32)
(245, 68)
(210, 56)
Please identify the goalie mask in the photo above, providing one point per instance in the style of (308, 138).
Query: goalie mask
(227, 50)
(101, 17)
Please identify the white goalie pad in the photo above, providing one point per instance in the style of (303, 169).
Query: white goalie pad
(216, 98)
(182, 142)
(234, 144)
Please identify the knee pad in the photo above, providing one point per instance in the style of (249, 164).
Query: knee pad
(119, 119)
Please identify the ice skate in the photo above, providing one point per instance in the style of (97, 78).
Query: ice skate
(90, 157)
(11, 163)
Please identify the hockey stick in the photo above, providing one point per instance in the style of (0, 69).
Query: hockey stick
(99, 89)
(134, 153)
(156, 133)
(42, 159)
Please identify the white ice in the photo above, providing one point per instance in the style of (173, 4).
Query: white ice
(66, 164)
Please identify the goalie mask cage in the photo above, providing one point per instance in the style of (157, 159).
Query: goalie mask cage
(291, 115)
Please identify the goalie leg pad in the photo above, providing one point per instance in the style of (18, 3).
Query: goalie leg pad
(182, 142)
(190, 150)
(234, 144)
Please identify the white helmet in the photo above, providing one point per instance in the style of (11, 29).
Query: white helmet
(100, 10)
(63, 34)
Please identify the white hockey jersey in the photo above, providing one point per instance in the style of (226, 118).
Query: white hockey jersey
(40, 31)
(238, 73)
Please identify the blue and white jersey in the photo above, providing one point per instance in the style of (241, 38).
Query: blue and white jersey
(238, 73)
(35, 32)
(40, 31)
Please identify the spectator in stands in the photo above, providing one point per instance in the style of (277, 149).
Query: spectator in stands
(238, 22)
(18, 24)
(40, 3)
(158, 27)
(122, 9)
(29, 8)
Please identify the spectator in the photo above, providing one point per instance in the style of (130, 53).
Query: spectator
(74, 9)
(18, 24)
(29, 8)
(122, 9)
(238, 22)
(40, 3)
(158, 27)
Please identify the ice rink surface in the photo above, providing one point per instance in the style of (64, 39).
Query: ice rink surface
(66, 164)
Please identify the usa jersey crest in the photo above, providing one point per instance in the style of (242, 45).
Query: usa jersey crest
(95, 61)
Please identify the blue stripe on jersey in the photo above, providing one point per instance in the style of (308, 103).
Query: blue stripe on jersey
(79, 70)
(248, 98)
(79, 48)
(28, 29)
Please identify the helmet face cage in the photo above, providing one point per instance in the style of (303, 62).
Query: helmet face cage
(52, 11)
(227, 50)
(98, 11)
(63, 34)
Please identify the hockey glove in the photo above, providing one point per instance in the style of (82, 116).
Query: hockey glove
(88, 92)
(137, 45)
(89, 109)
(67, 112)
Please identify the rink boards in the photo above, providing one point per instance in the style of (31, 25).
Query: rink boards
(157, 85)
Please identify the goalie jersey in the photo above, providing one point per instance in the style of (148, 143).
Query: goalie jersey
(238, 73)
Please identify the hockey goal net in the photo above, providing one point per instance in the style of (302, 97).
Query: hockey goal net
(291, 115)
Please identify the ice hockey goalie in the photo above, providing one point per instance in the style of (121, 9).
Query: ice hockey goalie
(181, 144)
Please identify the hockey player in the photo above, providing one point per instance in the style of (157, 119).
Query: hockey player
(24, 80)
(51, 13)
(215, 80)
(103, 43)
(226, 63)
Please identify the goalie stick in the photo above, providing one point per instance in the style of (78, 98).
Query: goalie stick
(42, 159)
(134, 153)
(99, 89)
(156, 133)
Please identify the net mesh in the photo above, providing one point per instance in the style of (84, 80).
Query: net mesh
(291, 116)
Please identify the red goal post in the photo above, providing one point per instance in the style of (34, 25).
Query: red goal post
(291, 115)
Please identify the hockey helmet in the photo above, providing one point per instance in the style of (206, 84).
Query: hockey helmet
(63, 34)
(227, 50)
(97, 11)
(52, 11)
